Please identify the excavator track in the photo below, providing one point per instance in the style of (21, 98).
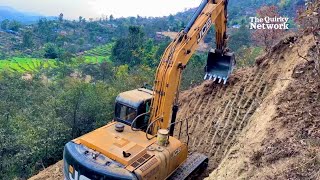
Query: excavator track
(195, 163)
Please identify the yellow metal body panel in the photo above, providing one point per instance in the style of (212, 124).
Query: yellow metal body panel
(147, 160)
(111, 143)
(165, 160)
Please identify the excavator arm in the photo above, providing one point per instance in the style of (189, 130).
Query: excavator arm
(177, 55)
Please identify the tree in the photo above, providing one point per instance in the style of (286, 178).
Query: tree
(193, 74)
(309, 18)
(61, 17)
(136, 36)
(66, 57)
(2, 55)
(4, 24)
(27, 40)
(309, 23)
(81, 41)
(80, 19)
(31, 132)
(51, 51)
(241, 37)
(267, 37)
(111, 18)
(47, 30)
(14, 25)
(129, 50)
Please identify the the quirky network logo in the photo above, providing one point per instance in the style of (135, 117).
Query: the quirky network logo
(269, 23)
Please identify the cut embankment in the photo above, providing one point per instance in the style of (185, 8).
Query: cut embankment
(243, 127)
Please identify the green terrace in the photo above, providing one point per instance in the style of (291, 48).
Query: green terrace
(26, 64)
(22, 65)
(104, 50)
(19, 64)
(96, 59)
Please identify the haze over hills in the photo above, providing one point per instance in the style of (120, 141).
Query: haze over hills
(35, 11)
(10, 13)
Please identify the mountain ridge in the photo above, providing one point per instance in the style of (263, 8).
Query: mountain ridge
(10, 13)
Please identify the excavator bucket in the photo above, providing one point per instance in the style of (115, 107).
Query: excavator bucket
(219, 66)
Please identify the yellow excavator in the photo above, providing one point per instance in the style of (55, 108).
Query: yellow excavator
(139, 143)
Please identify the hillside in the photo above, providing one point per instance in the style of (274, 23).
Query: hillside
(263, 125)
(20, 40)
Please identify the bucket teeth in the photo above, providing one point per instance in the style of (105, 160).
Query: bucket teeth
(224, 80)
(205, 76)
(219, 66)
(215, 77)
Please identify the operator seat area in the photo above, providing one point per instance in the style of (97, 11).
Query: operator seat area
(130, 104)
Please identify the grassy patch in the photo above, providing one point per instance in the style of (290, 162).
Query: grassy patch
(104, 50)
(26, 64)
(93, 56)
(96, 59)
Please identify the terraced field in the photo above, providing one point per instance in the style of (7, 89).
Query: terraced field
(96, 55)
(26, 64)
(104, 50)
(96, 59)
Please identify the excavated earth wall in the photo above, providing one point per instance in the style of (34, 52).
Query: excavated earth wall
(265, 123)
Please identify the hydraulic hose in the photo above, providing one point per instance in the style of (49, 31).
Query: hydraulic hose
(195, 16)
(135, 119)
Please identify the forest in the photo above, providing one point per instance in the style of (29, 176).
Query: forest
(59, 78)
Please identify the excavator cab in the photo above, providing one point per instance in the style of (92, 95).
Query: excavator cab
(219, 66)
(131, 108)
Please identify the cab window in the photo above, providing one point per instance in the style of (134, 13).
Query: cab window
(125, 113)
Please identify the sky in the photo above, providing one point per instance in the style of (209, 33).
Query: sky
(72, 9)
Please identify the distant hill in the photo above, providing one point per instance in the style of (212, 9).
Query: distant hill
(10, 13)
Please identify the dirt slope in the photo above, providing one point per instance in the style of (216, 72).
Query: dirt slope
(53, 172)
(265, 124)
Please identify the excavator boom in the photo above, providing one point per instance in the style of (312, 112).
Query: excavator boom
(220, 63)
